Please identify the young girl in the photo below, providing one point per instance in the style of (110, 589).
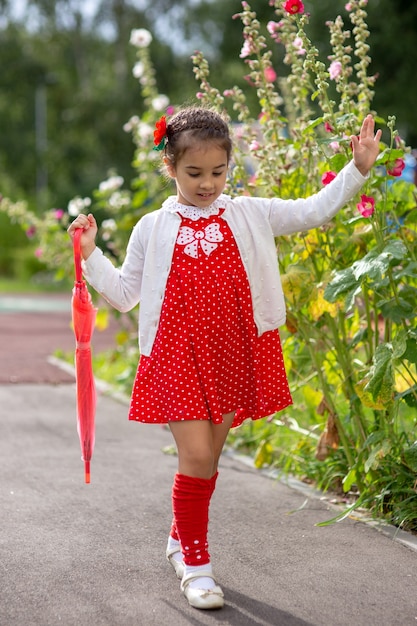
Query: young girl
(205, 271)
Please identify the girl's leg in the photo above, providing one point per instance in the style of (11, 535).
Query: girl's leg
(199, 447)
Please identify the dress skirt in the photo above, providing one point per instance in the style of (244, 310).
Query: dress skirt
(207, 359)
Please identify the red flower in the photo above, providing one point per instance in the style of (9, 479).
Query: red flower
(294, 6)
(366, 206)
(160, 131)
(328, 177)
(396, 168)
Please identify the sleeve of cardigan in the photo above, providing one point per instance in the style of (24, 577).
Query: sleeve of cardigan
(120, 287)
(291, 216)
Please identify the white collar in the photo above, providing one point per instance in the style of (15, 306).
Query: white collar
(194, 213)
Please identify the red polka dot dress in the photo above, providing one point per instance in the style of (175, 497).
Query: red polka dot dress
(207, 359)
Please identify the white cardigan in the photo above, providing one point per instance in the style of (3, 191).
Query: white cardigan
(254, 222)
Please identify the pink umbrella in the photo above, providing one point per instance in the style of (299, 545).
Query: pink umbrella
(83, 319)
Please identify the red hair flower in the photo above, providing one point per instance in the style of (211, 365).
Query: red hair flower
(160, 132)
(366, 206)
(294, 6)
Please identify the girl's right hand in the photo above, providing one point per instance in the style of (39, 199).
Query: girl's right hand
(88, 238)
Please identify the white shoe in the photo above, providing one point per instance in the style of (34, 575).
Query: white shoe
(202, 598)
(177, 565)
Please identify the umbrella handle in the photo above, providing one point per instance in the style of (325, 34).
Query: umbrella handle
(77, 254)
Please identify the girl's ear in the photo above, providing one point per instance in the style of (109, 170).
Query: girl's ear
(169, 167)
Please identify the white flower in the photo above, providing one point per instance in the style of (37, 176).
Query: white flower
(109, 226)
(160, 102)
(144, 131)
(138, 69)
(77, 205)
(118, 200)
(111, 184)
(131, 124)
(140, 37)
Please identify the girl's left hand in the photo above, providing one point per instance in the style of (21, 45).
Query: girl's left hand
(366, 146)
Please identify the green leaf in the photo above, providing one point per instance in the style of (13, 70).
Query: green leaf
(374, 265)
(410, 457)
(349, 480)
(342, 282)
(381, 382)
(411, 350)
(396, 309)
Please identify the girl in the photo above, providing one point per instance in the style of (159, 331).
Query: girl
(205, 271)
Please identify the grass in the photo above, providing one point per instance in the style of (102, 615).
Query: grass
(34, 285)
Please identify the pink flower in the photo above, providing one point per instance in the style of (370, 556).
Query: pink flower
(335, 70)
(38, 253)
(335, 146)
(254, 146)
(298, 45)
(328, 177)
(348, 7)
(246, 49)
(395, 168)
(328, 127)
(293, 6)
(270, 74)
(59, 214)
(30, 232)
(366, 206)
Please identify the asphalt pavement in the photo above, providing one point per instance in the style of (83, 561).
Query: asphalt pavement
(81, 555)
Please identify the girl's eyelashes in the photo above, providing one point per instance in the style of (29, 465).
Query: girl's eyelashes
(216, 174)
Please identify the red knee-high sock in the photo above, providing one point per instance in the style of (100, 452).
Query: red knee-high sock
(190, 503)
(174, 532)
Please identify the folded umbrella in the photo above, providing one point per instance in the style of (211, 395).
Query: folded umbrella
(83, 320)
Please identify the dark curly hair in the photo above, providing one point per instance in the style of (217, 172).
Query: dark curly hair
(193, 125)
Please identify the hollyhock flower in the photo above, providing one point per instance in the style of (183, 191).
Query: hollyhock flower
(328, 127)
(335, 70)
(293, 6)
(170, 110)
(270, 74)
(111, 184)
(298, 44)
(77, 205)
(160, 102)
(30, 232)
(59, 214)
(140, 37)
(254, 146)
(273, 29)
(138, 69)
(328, 177)
(366, 206)
(396, 168)
(335, 146)
(246, 49)
(38, 253)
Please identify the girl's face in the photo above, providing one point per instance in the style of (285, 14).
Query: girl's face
(200, 175)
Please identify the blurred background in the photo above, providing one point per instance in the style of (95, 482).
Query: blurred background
(67, 88)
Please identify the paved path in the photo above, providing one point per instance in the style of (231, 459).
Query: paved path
(82, 555)
(32, 328)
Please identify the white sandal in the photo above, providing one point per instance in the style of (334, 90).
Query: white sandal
(177, 565)
(202, 598)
